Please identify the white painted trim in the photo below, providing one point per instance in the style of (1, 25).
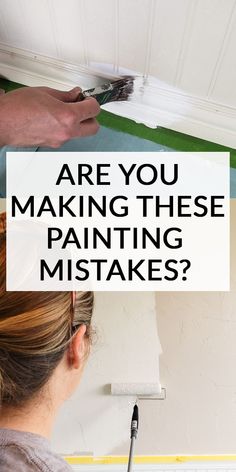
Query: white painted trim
(190, 467)
(33, 69)
(158, 105)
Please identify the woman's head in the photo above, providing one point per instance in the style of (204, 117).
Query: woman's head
(38, 332)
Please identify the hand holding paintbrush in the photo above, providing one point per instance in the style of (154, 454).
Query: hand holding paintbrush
(41, 116)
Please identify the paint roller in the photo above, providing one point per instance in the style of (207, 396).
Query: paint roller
(151, 391)
(143, 391)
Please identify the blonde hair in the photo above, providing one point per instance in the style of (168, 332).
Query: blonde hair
(35, 331)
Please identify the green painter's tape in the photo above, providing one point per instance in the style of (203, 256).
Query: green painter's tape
(166, 137)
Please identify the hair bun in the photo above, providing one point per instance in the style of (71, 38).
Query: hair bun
(3, 223)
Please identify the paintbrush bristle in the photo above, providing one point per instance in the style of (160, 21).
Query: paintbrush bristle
(114, 91)
(123, 89)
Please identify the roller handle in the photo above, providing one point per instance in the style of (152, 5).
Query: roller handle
(133, 436)
(134, 423)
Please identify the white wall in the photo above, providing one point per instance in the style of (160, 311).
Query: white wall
(198, 368)
(187, 45)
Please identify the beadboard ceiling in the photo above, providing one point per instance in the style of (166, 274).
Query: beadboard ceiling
(188, 45)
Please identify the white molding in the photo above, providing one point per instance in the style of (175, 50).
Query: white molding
(158, 105)
(182, 467)
(34, 69)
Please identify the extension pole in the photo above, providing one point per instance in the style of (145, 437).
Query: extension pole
(133, 436)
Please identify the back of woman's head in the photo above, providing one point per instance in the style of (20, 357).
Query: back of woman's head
(35, 331)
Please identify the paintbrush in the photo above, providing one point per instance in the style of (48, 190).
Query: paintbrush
(119, 90)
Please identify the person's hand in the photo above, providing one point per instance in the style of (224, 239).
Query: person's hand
(41, 116)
